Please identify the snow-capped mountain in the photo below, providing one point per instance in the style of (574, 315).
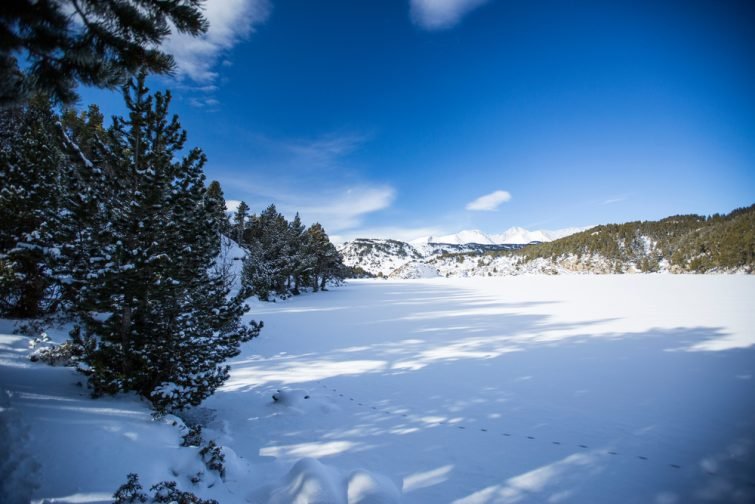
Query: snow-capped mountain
(460, 238)
(385, 256)
(678, 244)
(514, 235)
(521, 235)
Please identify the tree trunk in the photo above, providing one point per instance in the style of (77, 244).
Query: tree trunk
(125, 330)
(296, 286)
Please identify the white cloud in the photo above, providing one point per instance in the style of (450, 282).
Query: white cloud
(230, 22)
(441, 14)
(337, 209)
(345, 209)
(310, 176)
(489, 202)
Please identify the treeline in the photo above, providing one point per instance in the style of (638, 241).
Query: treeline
(688, 243)
(283, 257)
(112, 228)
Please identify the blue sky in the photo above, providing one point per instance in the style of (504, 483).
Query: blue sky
(394, 118)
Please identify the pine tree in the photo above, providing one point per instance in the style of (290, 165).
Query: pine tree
(31, 164)
(95, 42)
(239, 223)
(327, 261)
(215, 200)
(297, 245)
(268, 263)
(170, 325)
(84, 231)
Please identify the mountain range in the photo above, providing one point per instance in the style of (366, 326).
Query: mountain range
(512, 236)
(379, 256)
(676, 244)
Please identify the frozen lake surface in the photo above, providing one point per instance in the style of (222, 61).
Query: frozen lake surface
(503, 390)
(528, 389)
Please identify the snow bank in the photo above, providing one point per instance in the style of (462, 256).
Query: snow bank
(57, 444)
(312, 482)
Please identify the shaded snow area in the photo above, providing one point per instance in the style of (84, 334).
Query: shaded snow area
(230, 262)
(528, 389)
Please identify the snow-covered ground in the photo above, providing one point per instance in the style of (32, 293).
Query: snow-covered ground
(516, 389)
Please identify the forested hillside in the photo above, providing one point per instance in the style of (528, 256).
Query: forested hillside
(678, 244)
(685, 243)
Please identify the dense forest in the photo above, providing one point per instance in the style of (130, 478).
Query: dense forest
(282, 257)
(686, 243)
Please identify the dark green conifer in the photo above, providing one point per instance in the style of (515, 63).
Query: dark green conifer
(240, 218)
(31, 167)
(327, 262)
(170, 325)
(93, 42)
(215, 201)
(267, 267)
(299, 262)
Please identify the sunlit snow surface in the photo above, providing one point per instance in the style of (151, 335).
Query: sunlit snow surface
(526, 389)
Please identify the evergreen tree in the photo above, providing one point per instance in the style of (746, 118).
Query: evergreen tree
(239, 223)
(95, 42)
(282, 257)
(326, 260)
(216, 206)
(297, 245)
(170, 324)
(268, 263)
(84, 231)
(31, 163)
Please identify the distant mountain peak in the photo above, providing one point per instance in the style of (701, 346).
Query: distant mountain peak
(385, 256)
(514, 235)
(463, 237)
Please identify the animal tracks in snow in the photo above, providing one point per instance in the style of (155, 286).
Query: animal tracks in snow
(486, 430)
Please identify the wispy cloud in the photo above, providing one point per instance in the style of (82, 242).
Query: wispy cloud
(441, 14)
(338, 209)
(204, 102)
(616, 199)
(311, 176)
(489, 202)
(345, 209)
(324, 150)
(231, 21)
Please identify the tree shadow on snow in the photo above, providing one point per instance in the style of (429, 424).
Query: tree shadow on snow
(465, 398)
